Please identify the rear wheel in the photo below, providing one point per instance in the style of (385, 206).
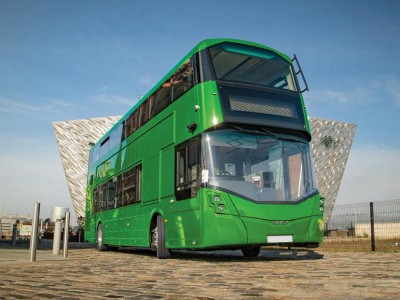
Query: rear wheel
(251, 251)
(99, 239)
(158, 239)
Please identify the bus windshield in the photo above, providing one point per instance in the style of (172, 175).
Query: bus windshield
(258, 167)
(250, 65)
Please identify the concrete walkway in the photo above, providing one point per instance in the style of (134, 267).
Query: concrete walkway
(20, 253)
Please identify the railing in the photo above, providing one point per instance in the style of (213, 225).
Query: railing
(373, 226)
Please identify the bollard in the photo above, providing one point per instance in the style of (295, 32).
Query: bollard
(57, 237)
(57, 214)
(66, 235)
(14, 236)
(34, 232)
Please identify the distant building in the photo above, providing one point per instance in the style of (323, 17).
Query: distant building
(24, 227)
(331, 144)
(23, 224)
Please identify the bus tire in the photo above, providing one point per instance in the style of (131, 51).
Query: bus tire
(99, 239)
(251, 251)
(162, 250)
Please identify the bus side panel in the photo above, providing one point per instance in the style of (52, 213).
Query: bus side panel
(167, 175)
(90, 234)
(151, 180)
(183, 227)
(131, 226)
(161, 136)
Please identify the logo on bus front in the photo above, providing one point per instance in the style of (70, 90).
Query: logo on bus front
(280, 222)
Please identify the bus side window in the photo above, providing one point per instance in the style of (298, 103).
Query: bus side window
(182, 81)
(96, 153)
(105, 146)
(131, 124)
(119, 194)
(115, 137)
(102, 197)
(95, 200)
(111, 194)
(144, 113)
(161, 98)
(128, 191)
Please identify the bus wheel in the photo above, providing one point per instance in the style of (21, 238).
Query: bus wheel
(159, 239)
(251, 252)
(99, 239)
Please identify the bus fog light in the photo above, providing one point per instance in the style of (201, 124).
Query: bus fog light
(216, 199)
(220, 207)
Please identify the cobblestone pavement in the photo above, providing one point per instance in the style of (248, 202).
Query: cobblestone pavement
(135, 274)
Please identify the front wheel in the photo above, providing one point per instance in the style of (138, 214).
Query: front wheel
(251, 251)
(159, 239)
(99, 239)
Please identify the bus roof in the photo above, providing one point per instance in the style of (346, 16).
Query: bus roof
(199, 47)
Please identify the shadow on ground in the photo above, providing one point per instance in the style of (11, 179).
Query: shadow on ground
(231, 256)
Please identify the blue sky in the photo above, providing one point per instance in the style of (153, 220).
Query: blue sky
(63, 60)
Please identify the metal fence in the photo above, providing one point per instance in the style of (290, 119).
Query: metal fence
(373, 226)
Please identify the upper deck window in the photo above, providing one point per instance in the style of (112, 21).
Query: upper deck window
(251, 65)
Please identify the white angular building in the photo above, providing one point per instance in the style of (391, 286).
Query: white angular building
(331, 144)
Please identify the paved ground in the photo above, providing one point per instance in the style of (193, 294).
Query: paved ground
(133, 274)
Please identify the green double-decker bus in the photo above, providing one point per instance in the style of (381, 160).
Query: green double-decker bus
(215, 156)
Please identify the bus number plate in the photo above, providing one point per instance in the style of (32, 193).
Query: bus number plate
(279, 239)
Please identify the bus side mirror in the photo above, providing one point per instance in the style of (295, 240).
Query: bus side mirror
(192, 127)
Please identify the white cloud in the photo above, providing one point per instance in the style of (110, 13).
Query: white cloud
(392, 86)
(372, 174)
(45, 104)
(10, 106)
(327, 95)
(358, 94)
(385, 88)
(60, 104)
(114, 99)
(146, 81)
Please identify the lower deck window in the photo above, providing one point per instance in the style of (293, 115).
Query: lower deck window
(121, 190)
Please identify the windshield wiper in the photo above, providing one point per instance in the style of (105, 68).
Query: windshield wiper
(261, 131)
(290, 138)
(264, 131)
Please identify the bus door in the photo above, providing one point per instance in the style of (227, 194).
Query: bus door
(184, 208)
